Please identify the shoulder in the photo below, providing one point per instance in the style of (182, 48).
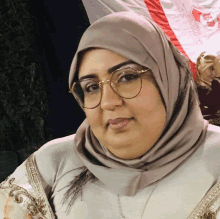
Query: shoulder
(216, 84)
(213, 135)
(200, 87)
(202, 90)
(56, 149)
(211, 150)
(22, 190)
(216, 80)
(55, 158)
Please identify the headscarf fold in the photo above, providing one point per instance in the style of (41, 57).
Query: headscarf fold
(141, 40)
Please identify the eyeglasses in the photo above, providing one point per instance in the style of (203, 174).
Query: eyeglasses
(126, 82)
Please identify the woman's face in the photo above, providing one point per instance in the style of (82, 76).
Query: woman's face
(208, 74)
(138, 122)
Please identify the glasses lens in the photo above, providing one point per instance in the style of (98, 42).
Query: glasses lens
(87, 93)
(126, 82)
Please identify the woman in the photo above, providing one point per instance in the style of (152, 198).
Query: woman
(208, 86)
(144, 150)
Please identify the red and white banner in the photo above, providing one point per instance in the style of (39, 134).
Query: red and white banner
(193, 26)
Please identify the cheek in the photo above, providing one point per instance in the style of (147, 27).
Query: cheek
(94, 118)
(149, 110)
(154, 118)
(150, 100)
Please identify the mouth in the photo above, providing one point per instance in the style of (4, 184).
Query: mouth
(118, 123)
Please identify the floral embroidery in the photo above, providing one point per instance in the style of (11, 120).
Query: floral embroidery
(28, 192)
(18, 194)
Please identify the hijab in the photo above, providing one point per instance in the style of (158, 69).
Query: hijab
(141, 40)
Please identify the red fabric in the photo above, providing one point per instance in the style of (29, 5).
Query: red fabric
(158, 15)
(196, 14)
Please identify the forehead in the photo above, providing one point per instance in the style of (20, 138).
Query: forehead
(99, 61)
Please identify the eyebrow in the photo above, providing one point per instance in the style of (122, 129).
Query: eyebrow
(110, 70)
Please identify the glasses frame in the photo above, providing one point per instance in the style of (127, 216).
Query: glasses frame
(112, 85)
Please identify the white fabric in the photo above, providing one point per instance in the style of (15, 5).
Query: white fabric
(97, 9)
(195, 35)
(12, 212)
(174, 197)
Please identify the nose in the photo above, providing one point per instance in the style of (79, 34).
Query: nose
(110, 99)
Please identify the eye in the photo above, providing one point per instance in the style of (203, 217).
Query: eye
(90, 87)
(127, 76)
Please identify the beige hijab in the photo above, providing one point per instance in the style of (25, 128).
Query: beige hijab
(141, 40)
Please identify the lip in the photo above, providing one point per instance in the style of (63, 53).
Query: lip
(118, 123)
(117, 120)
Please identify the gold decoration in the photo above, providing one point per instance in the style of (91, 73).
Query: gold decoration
(209, 215)
(205, 209)
(36, 184)
(18, 193)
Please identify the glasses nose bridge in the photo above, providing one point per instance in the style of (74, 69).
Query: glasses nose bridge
(101, 83)
(104, 82)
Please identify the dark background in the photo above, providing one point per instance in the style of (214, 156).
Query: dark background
(38, 39)
(61, 25)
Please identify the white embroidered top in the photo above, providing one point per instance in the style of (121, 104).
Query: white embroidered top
(37, 188)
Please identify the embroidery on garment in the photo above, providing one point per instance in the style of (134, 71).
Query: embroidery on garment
(209, 206)
(35, 182)
(18, 194)
(37, 206)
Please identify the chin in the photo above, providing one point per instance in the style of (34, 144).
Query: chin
(120, 142)
(125, 155)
